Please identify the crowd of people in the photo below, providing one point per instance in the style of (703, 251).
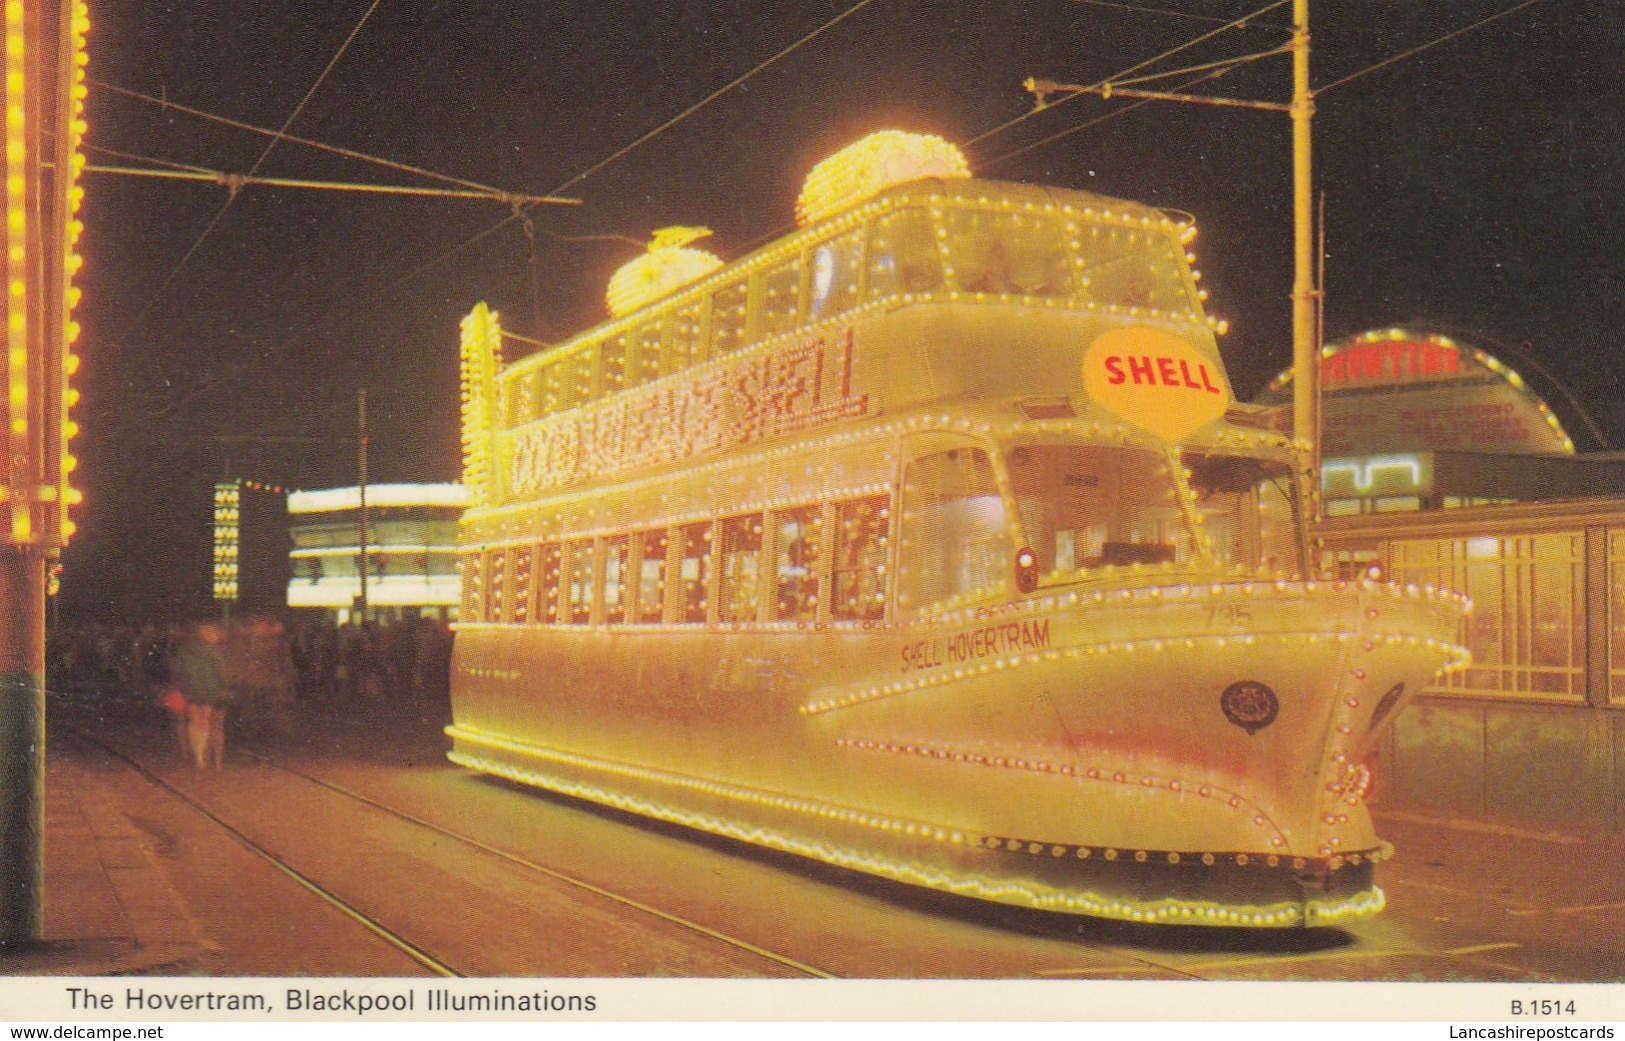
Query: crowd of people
(254, 674)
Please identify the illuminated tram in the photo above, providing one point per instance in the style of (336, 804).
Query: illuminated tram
(927, 541)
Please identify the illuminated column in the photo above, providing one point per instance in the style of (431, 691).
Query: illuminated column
(44, 98)
(481, 359)
(227, 540)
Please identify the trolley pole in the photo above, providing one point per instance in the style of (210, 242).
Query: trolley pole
(1305, 293)
(1305, 296)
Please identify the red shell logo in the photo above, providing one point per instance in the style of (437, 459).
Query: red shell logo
(1155, 380)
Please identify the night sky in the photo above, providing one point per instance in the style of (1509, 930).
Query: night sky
(1476, 185)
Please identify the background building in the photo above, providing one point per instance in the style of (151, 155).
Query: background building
(1442, 466)
(411, 550)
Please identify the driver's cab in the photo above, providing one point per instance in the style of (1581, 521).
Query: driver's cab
(984, 522)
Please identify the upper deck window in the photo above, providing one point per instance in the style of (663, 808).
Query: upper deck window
(683, 346)
(729, 313)
(644, 363)
(1085, 507)
(612, 365)
(903, 254)
(836, 270)
(779, 302)
(993, 251)
(1133, 267)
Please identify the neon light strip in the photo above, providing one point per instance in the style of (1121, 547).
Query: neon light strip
(390, 590)
(372, 548)
(331, 499)
(1364, 472)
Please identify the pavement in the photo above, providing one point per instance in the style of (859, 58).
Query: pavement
(111, 910)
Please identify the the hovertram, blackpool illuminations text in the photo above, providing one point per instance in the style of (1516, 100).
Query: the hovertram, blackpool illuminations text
(928, 541)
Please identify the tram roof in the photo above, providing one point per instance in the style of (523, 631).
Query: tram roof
(974, 191)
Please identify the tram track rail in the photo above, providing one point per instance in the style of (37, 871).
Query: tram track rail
(323, 893)
(518, 860)
(380, 929)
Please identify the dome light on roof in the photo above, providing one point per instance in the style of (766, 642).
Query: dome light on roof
(873, 164)
(669, 265)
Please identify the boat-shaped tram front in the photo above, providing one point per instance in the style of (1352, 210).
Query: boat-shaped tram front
(928, 541)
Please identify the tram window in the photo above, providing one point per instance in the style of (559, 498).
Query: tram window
(728, 315)
(836, 267)
(580, 374)
(741, 568)
(612, 365)
(955, 534)
(644, 361)
(559, 388)
(549, 574)
(860, 559)
(1245, 506)
(615, 575)
(695, 570)
(578, 566)
(799, 539)
(1090, 506)
(780, 304)
(683, 346)
(1129, 267)
(1000, 252)
(651, 576)
(496, 567)
(519, 601)
(522, 403)
(903, 254)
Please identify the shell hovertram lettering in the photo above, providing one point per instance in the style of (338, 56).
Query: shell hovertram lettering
(971, 644)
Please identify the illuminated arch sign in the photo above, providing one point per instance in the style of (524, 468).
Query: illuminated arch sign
(1402, 391)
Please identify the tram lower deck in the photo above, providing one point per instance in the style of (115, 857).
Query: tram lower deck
(1055, 754)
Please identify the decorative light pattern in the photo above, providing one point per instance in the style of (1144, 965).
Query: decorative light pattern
(72, 261)
(871, 165)
(1409, 354)
(227, 513)
(989, 885)
(668, 266)
(671, 338)
(19, 172)
(481, 359)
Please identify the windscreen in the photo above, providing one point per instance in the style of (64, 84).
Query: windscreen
(1088, 507)
(1246, 506)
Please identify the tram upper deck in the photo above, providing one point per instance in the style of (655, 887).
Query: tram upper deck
(952, 293)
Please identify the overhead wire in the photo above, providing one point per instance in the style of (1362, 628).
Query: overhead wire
(1108, 117)
(1118, 79)
(1418, 50)
(236, 182)
(348, 153)
(1187, 15)
(641, 140)
(1237, 23)
(158, 295)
